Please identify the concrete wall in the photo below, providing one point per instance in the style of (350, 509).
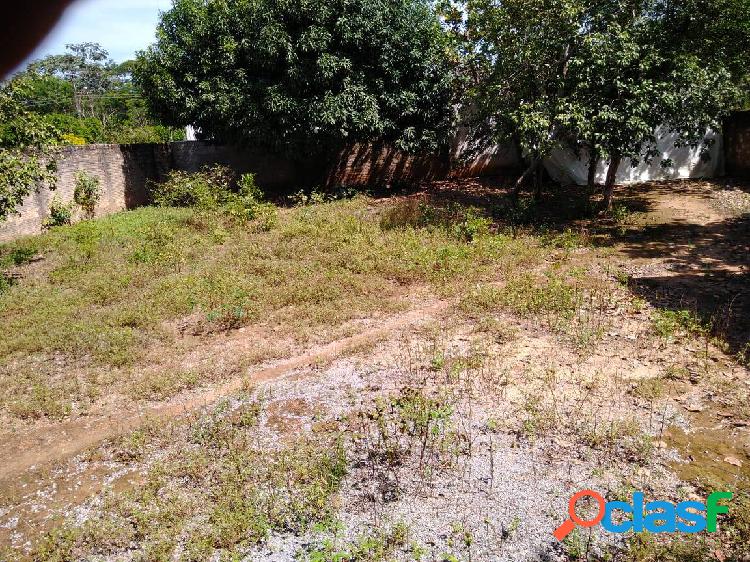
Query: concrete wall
(737, 144)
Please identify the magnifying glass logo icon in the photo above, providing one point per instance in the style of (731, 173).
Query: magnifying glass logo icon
(566, 528)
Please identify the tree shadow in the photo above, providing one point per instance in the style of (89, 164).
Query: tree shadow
(702, 268)
(686, 263)
(680, 259)
(556, 208)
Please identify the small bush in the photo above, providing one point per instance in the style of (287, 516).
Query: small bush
(668, 323)
(620, 213)
(246, 204)
(60, 214)
(471, 227)
(87, 193)
(206, 189)
(213, 189)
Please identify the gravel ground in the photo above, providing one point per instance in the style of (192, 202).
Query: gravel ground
(505, 497)
(732, 201)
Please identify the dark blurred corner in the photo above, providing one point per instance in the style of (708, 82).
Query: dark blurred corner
(23, 25)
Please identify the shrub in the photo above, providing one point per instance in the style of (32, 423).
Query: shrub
(247, 204)
(472, 226)
(212, 189)
(73, 140)
(87, 193)
(59, 214)
(205, 189)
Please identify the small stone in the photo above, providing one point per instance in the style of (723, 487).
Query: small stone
(694, 407)
(733, 461)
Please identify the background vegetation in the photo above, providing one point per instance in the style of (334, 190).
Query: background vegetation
(89, 98)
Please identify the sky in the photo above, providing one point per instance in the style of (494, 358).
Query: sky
(120, 26)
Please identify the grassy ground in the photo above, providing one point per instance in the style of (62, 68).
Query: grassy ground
(552, 368)
(92, 304)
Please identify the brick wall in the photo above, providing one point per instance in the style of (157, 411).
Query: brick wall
(123, 171)
(368, 165)
(737, 144)
(126, 170)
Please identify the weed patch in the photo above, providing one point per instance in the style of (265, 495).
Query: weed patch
(377, 546)
(671, 323)
(565, 303)
(222, 493)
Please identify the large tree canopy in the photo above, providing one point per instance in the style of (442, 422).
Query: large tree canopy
(310, 74)
(601, 75)
(25, 159)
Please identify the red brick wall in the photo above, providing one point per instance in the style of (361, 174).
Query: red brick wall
(368, 165)
(126, 170)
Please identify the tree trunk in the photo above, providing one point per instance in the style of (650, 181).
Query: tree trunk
(525, 176)
(593, 164)
(538, 176)
(609, 184)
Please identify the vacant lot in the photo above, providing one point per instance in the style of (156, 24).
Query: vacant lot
(426, 376)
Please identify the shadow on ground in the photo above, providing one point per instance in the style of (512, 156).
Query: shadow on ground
(704, 268)
(686, 255)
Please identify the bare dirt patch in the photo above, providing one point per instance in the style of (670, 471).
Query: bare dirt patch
(590, 358)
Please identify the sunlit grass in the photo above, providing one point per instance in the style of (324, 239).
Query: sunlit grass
(102, 293)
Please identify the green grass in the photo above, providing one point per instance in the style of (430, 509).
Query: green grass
(220, 492)
(569, 302)
(111, 282)
(553, 295)
(669, 323)
(102, 293)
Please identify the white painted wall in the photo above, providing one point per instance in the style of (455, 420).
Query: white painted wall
(563, 165)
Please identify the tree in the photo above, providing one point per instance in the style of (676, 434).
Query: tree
(521, 51)
(621, 88)
(604, 75)
(88, 71)
(88, 96)
(306, 75)
(25, 159)
(641, 70)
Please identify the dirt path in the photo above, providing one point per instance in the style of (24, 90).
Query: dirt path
(48, 445)
(683, 249)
